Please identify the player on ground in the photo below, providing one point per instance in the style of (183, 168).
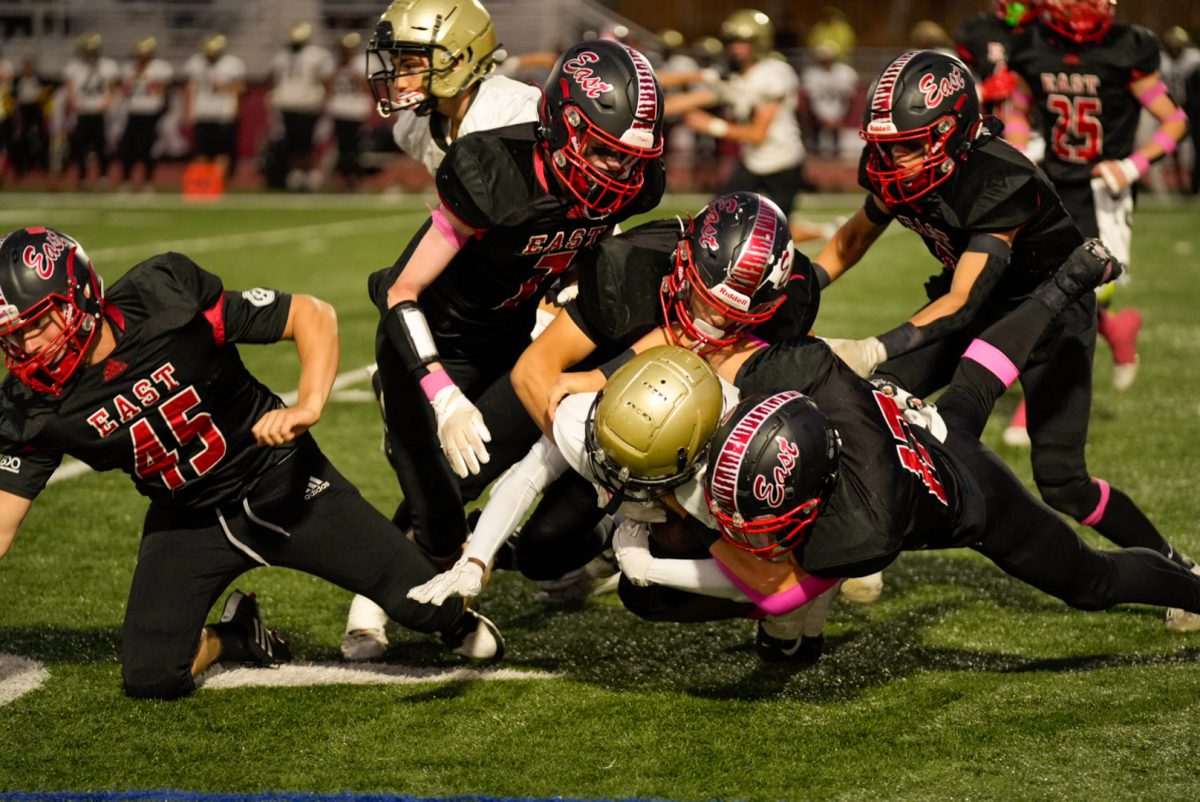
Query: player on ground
(146, 378)
(995, 223)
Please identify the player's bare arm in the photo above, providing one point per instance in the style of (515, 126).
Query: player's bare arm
(312, 325)
(752, 133)
(852, 240)
(13, 510)
(544, 363)
(1151, 92)
(1015, 114)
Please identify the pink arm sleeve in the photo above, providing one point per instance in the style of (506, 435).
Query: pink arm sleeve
(785, 601)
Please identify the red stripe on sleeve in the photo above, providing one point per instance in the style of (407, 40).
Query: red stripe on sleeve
(215, 315)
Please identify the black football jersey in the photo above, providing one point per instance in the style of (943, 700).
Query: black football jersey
(983, 43)
(620, 301)
(995, 189)
(1081, 93)
(492, 181)
(897, 488)
(172, 405)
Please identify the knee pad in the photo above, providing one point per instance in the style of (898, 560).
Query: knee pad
(1078, 498)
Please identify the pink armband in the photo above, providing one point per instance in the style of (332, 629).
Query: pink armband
(1165, 141)
(1140, 162)
(442, 223)
(994, 360)
(1152, 94)
(1017, 127)
(1020, 98)
(433, 381)
(785, 601)
(1179, 115)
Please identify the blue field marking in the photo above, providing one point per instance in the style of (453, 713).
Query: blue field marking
(168, 795)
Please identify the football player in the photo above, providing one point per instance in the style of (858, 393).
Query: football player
(146, 378)
(91, 81)
(145, 81)
(518, 206)
(996, 224)
(822, 472)
(983, 42)
(711, 280)
(1088, 80)
(431, 67)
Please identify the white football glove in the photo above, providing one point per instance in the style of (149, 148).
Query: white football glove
(650, 512)
(461, 431)
(464, 578)
(631, 545)
(863, 356)
(1117, 175)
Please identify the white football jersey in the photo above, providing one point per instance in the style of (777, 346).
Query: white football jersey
(147, 87)
(90, 82)
(768, 81)
(349, 97)
(830, 90)
(299, 78)
(498, 102)
(213, 95)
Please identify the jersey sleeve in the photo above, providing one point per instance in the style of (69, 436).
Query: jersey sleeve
(1003, 204)
(479, 184)
(25, 472)
(801, 302)
(775, 81)
(1145, 52)
(798, 364)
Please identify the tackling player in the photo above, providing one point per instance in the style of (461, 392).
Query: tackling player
(146, 378)
(997, 226)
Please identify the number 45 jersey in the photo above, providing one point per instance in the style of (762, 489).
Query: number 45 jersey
(172, 405)
(1081, 92)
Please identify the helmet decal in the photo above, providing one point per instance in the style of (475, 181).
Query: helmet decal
(647, 111)
(882, 101)
(938, 90)
(773, 490)
(724, 472)
(591, 84)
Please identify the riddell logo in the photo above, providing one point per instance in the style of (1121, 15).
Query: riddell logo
(114, 368)
(315, 488)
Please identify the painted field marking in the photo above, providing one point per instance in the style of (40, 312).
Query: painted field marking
(295, 675)
(19, 676)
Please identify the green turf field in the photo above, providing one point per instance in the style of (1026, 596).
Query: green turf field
(959, 684)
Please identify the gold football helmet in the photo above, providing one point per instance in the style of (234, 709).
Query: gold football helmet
(749, 25)
(648, 428)
(456, 36)
(214, 45)
(145, 47)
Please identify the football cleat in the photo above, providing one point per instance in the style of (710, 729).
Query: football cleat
(1178, 620)
(1121, 330)
(363, 645)
(804, 650)
(264, 646)
(863, 589)
(475, 637)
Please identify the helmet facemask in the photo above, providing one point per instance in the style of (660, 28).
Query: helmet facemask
(50, 369)
(602, 172)
(906, 179)
(1079, 20)
(384, 67)
(772, 537)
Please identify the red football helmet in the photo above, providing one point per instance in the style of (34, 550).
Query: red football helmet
(602, 104)
(922, 115)
(1079, 20)
(46, 279)
(735, 260)
(772, 464)
(1016, 13)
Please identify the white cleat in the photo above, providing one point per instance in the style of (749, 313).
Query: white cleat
(1182, 621)
(363, 645)
(1124, 375)
(1016, 437)
(482, 642)
(863, 589)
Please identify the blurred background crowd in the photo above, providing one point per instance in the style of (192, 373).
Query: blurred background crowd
(131, 95)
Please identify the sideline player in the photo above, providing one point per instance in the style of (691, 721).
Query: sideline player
(995, 223)
(433, 71)
(1088, 79)
(146, 378)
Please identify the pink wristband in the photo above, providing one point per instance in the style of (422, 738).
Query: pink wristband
(1140, 162)
(1164, 141)
(1179, 115)
(785, 601)
(1020, 98)
(1017, 127)
(434, 381)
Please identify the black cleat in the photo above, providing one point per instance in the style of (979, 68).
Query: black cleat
(264, 647)
(803, 651)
